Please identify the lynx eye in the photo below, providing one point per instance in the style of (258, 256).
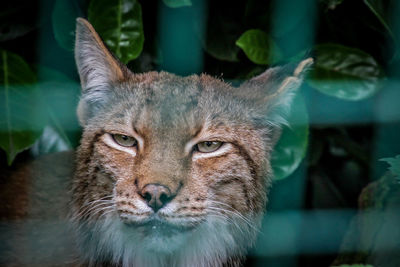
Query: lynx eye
(208, 146)
(124, 140)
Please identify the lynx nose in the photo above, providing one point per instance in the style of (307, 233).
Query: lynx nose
(156, 195)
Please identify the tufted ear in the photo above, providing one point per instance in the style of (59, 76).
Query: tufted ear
(274, 89)
(98, 69)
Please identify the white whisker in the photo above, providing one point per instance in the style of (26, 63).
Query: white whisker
(235, 213)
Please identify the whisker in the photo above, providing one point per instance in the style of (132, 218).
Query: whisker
(105, 198)
(93, 212)
(107, 212)
(88, 209)
(228, 206)
(237, 215)
(231, 209)
(229, 219)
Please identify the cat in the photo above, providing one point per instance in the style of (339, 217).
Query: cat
(171, 171)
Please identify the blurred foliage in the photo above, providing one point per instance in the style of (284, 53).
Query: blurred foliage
(64, 22)
(381, 9)
(394, 165)
(120, 25)
(21, 118)
(342, 71)
(59, 94)
(220, 39)
(334, 123)
(177, 3)
(353, 74)
(259, 47)
(292, 145)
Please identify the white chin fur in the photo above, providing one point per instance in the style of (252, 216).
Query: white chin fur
(210, 244)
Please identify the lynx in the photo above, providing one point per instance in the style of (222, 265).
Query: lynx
(171, 171)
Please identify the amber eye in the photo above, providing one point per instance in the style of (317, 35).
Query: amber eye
(208, 146)
(124, 140)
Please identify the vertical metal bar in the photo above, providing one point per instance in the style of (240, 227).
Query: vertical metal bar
(387, 111)
(293, 24)
(180, 32)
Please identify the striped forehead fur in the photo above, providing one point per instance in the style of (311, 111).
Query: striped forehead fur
(217, 197)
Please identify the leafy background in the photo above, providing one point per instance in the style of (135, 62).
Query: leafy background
(345, 118)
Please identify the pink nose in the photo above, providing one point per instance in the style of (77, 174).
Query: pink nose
(156, 195)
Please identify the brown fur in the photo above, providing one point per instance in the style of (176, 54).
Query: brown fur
(33, 213)
(215, 200)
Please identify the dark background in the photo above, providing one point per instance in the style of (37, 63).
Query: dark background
(310, 210)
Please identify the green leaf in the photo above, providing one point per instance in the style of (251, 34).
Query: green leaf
(61, 95)
(177, 3)
(63, 19)
(292, 146)
(394, 165)
(259, 47)
(21, 115)
(385, 13)
(345, 72)
(378, 8)
(119, 23)
(220, 39)
(50, 141)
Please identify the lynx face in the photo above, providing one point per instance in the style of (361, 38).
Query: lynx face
(172, 171)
